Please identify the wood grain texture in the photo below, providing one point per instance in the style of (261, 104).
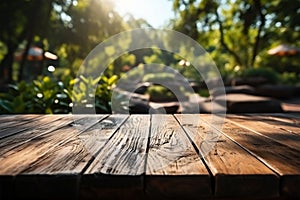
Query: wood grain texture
(40, 167)
(281, 158)
(289, 125)
(38, 128)
(9, 119)
(71, 153)
(236, 172)
(284, 117)
(146, 157)
(116, 172)
(124, 153)
(174, 169)
(274, 132)
(18, 124)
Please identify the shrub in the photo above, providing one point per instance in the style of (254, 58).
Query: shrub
(46, 96)
(160, 93)
(162, 77)
(269, 74)
(40, 96)
(289, 78)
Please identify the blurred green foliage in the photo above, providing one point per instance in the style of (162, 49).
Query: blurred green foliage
(161, 77)
(39, 96)
(269, 74)
(237, 34)
(160, 93)
(47, 96)
(289, 78)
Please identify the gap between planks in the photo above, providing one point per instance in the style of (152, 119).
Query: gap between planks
(233, 167)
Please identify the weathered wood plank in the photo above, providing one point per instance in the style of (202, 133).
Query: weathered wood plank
(20, 158)
(281, 158)
(23, 162)
(174, 169)
(48, 157)
(271, 131)
(286, 117)
(12, 125)
(117, 170)
(72, 156)
(237, 173)
(12, 118)
(125, 153)
(17, 120)
(37, 129)
(282, 123)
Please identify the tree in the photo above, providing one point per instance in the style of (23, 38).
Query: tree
(20, 21)
(69, 26)
(240, 29)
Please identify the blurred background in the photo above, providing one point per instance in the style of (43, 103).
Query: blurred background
(255, 45)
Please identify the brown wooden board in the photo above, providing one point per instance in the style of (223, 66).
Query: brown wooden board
(18, 124)
(271, 131)
(284, 117)
(9, 119)
(27, 162)
(282, 123)
(174, 169)
(38, 129)
(279, 157)
(71, 153)
(117, 171)
(237, 173)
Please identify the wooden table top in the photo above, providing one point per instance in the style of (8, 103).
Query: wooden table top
(149, 156)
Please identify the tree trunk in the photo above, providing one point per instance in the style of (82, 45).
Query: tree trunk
(6, 66)
(24, 59)
(31, 27)
(262, 17)
(223, 43)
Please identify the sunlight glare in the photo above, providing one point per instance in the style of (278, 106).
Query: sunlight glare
(155, 12)
(127, 6)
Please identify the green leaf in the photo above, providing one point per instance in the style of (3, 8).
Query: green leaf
(112, 80)
(6, 105)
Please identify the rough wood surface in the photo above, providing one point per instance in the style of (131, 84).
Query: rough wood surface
(124, 153)
(284, 117)
(10, 119)
(13, 125)
(281, 158)
(117, 170)
(277, 133)
(38, 128)
(74, 155)
(23, 156)
(289, 125)
(70, 153)
(236, 172)
(149, 156)
(40, 167)
(174, 169)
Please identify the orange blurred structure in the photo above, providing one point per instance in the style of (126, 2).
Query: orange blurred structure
(36, 54)
(284, 50)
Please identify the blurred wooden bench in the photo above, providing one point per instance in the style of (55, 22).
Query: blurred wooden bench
(149, 157)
